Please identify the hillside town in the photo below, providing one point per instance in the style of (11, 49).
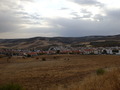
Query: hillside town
(62, 50)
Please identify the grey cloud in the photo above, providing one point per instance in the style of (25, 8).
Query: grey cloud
(107, 25)
(76, 28)
(75, 15)
(27, 0)
(29, 18)
(13, 20)
(8, 4)
(87, 16)
(99, 17)
(85, 13)
(64, 8)
(8, 27)
(20, 13)
(113, 14)
(36, 17)
(12, 17)
(88, 2)
(32, 19)
(40, 30)
(8, 22)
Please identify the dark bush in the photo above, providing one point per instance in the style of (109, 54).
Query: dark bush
(43, 59)
(11, 87)
(100, 71)
(37, 57)
(28, 55)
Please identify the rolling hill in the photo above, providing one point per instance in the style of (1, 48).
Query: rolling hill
(46, 42)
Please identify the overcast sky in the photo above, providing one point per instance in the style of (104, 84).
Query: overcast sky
(51, 18)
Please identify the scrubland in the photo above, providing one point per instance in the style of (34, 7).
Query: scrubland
(62, 72)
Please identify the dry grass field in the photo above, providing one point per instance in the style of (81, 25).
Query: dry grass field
(60, 72)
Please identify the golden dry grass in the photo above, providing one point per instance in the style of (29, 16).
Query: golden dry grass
(108, 81)
(58, 72)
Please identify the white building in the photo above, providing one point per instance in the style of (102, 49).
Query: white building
(118, 52)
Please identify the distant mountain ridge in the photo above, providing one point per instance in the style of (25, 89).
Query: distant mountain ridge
(46, 42)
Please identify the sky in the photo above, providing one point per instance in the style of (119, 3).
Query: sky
(58, 18)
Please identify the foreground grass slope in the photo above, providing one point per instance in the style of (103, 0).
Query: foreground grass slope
(60, 72)
(108, 81)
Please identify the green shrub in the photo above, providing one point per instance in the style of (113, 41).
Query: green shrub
(100, 71)
(11, 87)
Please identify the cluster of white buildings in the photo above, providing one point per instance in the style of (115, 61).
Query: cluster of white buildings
(63, 50)
(86, 50)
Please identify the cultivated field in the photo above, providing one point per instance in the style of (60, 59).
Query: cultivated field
(54, 72)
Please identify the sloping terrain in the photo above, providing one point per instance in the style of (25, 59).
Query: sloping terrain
(36, 74)
(45, 42)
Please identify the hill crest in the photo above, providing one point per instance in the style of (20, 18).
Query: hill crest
(45, 42)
